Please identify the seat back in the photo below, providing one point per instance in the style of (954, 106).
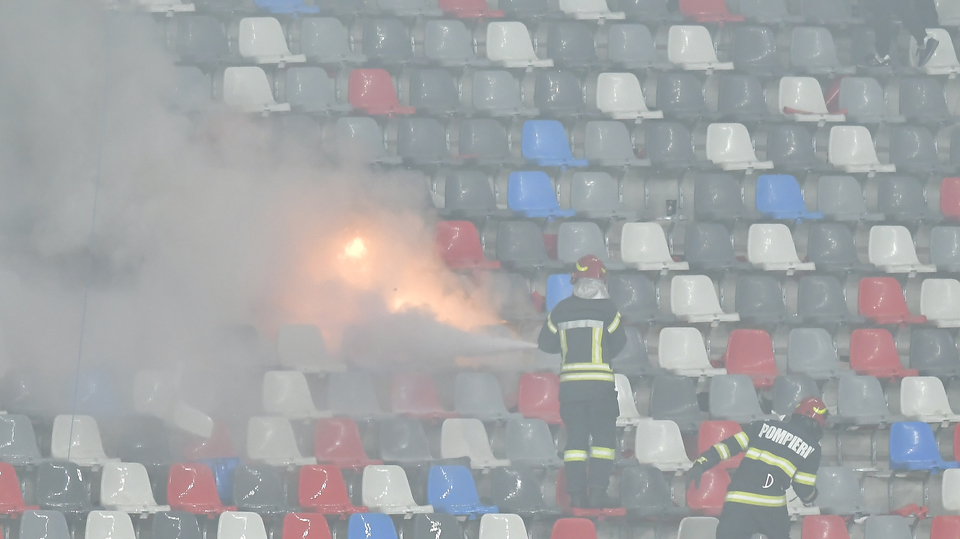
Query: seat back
(385, 488)
(495, 92)
(18, 443)
(305, 526)
(755, 48)
(812, 351)
(631, 45)
(695, 527)
(674, 398)
(468, 191)
(532, 193)
(852, 146)
(271, 440)
(779, 195)
(938, 299)
(860, 400)
(432, 526)
(733, 397)
(109, 525)
(286, 393)
(458, 243)
(352, 394)
(691, 45)
(573, 528)
(125, 485)
(831, 244)
(514, 489)
(259, 488)
(716, 197)
(385, 40)
(913, 446)
(192, 488)
(77, 438)
(545, 141)
(693, 295)
(901, 198)
(714, 432)
(509, 42)
(708, 245)
(485, 140)
(840, 198)
(337, 441)
(769, 244)
(874, 352)
(661, 445)
(824, 527)
(502, 526)
(792, 147)
(538, 396)
(933, 352)
(240, 525)
(924, 398)
(950, 198)
(578, 239)
(945, 246)
(62, 486)
(324, 39)
(750, 352)
(708, 499)
(415, 394)
(529, 442)
(812, 49)
(11, 499)
(887, 527)
(635, 296)
(447, 42)
(790, 389)
(760, 298)
(570, 44)
(680, 94)
(594, 194)
(478, 395)
(372, 91)
(403, 440)
(881, 299)
(451, 489)
(862, 98)
(891, 246)
(322, 489)
(174, 525)
(682, 348)
(644, 488)
(801, 94)
(465, 437)
(944, 526)
(839, 491)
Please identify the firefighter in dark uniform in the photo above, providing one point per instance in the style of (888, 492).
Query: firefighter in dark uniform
(778, 454)
(585, 330)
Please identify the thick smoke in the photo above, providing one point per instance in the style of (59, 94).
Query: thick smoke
(132, 237)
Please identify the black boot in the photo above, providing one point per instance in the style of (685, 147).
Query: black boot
(579, 500)
(599, 499)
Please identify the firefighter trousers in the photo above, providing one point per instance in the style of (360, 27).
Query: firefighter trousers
(741, 521)
(591, 435)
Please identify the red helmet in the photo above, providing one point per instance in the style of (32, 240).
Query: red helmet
(814, 408)
(589, 267)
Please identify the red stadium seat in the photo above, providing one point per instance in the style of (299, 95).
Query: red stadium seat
(217, 446)
(874, 352)
(712, 432)
(372, 91)
(573, 528)
(305, 526)
(415, 395)
(337, 441)
(708, 11)
(469, 9)
(539, 396)
(956, 441)
(458, 243)
(944, 527)
(322, 489)
(563, 502)
(950, 198)
(708, 499)
(750, 352)
(192, 488)
(881, 299)
(11, 500)
(824, 527)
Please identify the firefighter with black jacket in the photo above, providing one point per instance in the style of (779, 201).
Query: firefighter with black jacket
(777, 453)
(585, 330)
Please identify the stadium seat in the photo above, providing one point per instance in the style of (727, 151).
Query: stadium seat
(607, 143)
(403, 441)
(791, 147)
(631, 46)
(643, 246)
(576, 239)
(311, 90)
(261, 40)
(192, 488)
(502, 526)
(200, 39)
(679, 95)
(459, 245)
(305, 526)
(517, 490)
(325, 40)
(538, 396)
(801, 99)
(434, 92)
(260, 489)
(108, 525)
(682, 351)
(18, 443)
(451, 489)
(729, 147)
(384, 41)
(944, 526)
(820, 299)
(944, 60)
(361, 136)
(840, 198)
(824, 527)
(813, 51)
(370, 526)
(530, 444)
(570, 44)
(520, 245)
(755, 49)
(192, 91)
(862, 101)
(353, 394)
(371, 91)
(532, 194)
(811, 351)
(770, 247)
(61, 486)
(174, 525)
(790, 389)
(779, 196)
(697, 527)
(767, 11)
(484, 141)
(294, 7)
(573, 528)
(76, 438)
(449, 44)
(337, 441)
(166, 6)
(716, 197)
(949, 492)
(478, 395)
(674, 398)
(750, 352)
(625, 401)
(620, 96)
(469, 9)
(860, 401)
(831, 247)
(668, 145)
(891, 249)
(557, 93)
(881, 299)
(950, 198)
(11, 499)
(739, 98)
(874, 352)
(851, 149)
(759, 299)
(240, 525)
(593, 195)
(545, 143)
(945, 248)
(923, 398)
(248, 90)
(934, 352)
(126, 487)
(645, 493)
(633, 359)
(414, 395)
(467, 194)
(708, 11)
(912, 148)
(901, 198)
(432, 526)
(949, 15)
(839, 492)
(714, 432)
(495, 93)
(922, 100)
(509, 44)
(590, 10)
(286, 393)
(386, 490)
(559, 288)
(887, 527)
(659, 444)
(323, 490)
(732, 397)
(709, 498)
(938, 302)
(691, 48)
(635, 295)
(693, 299)
(467, 437)
(409, 8)
(523, 9)
(301, 347)
(708, 246)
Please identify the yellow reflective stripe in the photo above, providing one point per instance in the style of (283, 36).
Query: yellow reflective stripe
(805, 478)
(577, 324)
(550, 325)
(756, 499)
(574, 455)
(597, 350)
(582, 376)
(563, 345)
(602, 453)
(769, 458)
(614, 325)
(722, 449)
(743, 439)
(585, 367)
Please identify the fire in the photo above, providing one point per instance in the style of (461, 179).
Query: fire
(355, 249)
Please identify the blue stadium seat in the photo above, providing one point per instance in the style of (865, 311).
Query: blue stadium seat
(531, 193)
(558, 289)
(370, 526)
(286, 6)
(779, 196)
(223, 473)
(913, 446)
(451, 489)
(545, 143)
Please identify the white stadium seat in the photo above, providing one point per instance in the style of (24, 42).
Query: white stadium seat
(771, 248)
(660, 444)
(851, 149)
(509, 44)
(386, 490)
(891, 249)
(247, 88)
(682, 351)
(620, 96)
(801, 99)
(693, 299)
(643, 246)
(940, 302)
(691, 48)
(261, 40)
(729, 146)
